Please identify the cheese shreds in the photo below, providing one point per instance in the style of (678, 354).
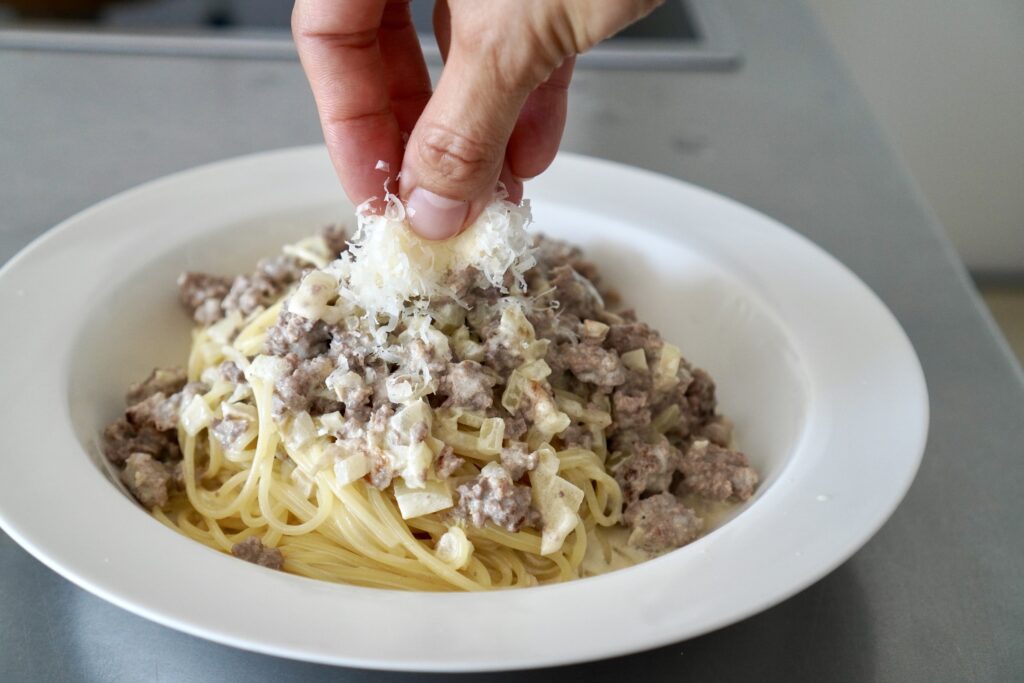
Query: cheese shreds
(388, 271)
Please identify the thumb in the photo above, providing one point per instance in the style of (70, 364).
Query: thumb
(457, 149)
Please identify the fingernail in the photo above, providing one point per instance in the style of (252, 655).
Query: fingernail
(434, 217)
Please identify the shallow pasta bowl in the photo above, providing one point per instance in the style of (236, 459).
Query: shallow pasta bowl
(824, 388)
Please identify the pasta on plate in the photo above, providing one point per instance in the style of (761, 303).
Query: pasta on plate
(394, 413)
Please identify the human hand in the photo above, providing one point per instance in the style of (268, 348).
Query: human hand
(499, 108)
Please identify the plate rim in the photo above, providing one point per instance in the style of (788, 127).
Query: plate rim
(48, 556)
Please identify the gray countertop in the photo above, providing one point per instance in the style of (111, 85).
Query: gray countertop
(936, 595)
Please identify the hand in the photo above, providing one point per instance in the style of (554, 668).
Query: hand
(499, 108)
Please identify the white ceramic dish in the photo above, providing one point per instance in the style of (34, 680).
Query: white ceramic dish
(827, 395)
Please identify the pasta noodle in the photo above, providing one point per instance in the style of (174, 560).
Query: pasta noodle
(456, 434)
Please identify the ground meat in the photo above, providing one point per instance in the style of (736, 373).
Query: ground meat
(161, 412)
(628, 336)
(661, 523)
(575, 294)
(381, 470)
(336, 238)
(700, 396)
(631, 409)
(293, 334)
(157, 411)
(515, 427)
(147, 479)
(419, 432)
(648, 469)
(282, 270)
(591, 364)
(468, 385)
(166, 381)
(202, 295)
(718, 431)
(177, 471)
(353, 391)
(297, 390)
(250, 292)
(305, 388)
(229, 430)
(349, 347)
(548, 324)
(624, 441)
(447, 463)
(717, 473)
(499, 357)
(577, 436)
(462, 282)
(420, 356)
(231, 372)
(122, 438)
(492, 495)
(253, 550)
(517, 459)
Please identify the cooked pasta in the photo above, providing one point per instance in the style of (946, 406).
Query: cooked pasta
(399, 414)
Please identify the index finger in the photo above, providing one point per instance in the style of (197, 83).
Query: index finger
(338, 48)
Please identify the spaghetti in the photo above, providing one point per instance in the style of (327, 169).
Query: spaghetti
(485, 426)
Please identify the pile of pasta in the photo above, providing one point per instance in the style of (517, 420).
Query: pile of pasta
(288, 485)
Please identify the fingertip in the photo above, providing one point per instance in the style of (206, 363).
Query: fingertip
(434, 217)
(512, 185)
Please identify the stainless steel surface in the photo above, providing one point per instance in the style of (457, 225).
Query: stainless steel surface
(704, 39)
(935, 596)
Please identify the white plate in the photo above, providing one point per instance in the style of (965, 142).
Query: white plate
(827, 395)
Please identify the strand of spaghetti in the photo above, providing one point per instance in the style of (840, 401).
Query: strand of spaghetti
(195, 360)
(249, 341)
(323, 553)
(287, 494)
(352, 499)
(390, 517)
(495, 563)
(251, 515)
(579, 547)
(195, 535)
(215, 457)
(378, 579)
(593, 506)
(218, 534)
(192, 530)
(247, 492)
(429, 524)
(316, 544)
(519, 540)
(366, 538)
(272, 538)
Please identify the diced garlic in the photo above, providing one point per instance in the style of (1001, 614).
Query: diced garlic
(351, 467)
(454, 548)
(492, 431)
(196, 416)
(313, 295)
(667, 369)
(434, 496)
(556, 499)
(635, 360)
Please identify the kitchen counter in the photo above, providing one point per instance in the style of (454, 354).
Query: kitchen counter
(936, 595)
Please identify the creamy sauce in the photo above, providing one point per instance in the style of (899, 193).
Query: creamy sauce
(608, 549)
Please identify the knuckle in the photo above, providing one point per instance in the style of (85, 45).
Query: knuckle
(454, 157)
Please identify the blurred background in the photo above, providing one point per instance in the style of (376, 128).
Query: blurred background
(944, 77)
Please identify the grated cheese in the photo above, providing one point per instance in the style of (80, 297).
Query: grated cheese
(388, 270)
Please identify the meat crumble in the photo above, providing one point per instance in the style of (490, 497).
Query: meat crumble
(568, 356)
